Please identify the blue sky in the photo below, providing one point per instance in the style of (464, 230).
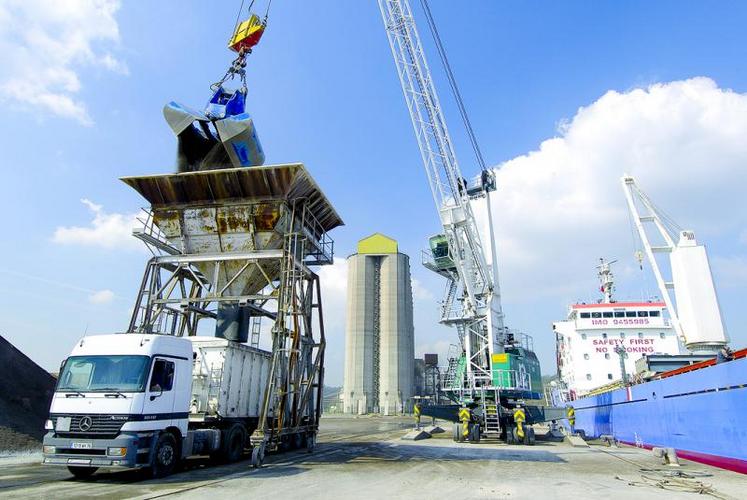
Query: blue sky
(323, 90)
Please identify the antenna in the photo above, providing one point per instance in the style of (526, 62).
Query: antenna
(606, 279)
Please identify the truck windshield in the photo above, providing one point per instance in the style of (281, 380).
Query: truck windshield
(104, 373)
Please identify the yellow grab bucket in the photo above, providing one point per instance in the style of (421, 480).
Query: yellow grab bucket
(247, 34)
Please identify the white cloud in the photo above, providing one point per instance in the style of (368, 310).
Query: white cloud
(420, 292)
(110, 231)
(559, 208)
(101, 297)
(45, 42)
(334, 284)
(441, 347)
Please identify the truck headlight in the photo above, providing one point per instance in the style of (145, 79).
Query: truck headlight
(49, 425)
(116, 452)
(49, 450)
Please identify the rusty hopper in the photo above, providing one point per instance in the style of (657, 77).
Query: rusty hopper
(229, 226)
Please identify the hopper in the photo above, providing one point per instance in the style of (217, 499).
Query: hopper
(208, 214)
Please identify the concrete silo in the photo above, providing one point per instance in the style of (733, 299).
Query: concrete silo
(379, 336)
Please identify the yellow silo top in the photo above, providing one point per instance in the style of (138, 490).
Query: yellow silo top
(377, 243)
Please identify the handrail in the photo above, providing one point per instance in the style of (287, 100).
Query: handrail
(703, 364)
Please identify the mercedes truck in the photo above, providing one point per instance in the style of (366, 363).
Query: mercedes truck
(149, 401)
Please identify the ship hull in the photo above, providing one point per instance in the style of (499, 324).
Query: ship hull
(699, 413)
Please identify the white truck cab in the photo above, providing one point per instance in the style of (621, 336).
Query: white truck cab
(137, 401)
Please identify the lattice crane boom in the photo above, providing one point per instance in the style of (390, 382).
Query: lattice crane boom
(477, 311)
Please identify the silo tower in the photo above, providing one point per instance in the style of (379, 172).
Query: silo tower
(379, 335)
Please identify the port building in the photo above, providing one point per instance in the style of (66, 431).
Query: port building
(379, 334)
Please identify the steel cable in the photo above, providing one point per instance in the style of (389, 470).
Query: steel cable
(452, 83)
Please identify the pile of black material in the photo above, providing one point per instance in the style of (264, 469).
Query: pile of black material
(25, 393)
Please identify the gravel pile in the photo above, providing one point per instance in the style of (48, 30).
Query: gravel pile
(25, 393)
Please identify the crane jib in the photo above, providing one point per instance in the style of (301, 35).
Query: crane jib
(472, 301)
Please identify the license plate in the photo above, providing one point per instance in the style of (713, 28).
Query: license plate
(82, 446)
(78, 461)
(63, 424)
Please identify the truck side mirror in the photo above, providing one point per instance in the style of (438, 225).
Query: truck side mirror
(156, 388)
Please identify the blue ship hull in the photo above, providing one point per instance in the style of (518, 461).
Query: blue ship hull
(700, 413)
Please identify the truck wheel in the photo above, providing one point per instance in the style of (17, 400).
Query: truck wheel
(82, 472)
(297, 441)
(234, 444)
(310, 442)
(165, 457)
(258, 456)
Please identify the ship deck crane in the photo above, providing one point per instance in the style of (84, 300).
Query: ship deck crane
(695, 313)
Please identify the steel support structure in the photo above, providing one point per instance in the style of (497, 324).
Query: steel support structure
(175, 296)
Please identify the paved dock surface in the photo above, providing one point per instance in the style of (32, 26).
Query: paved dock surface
(364, 458)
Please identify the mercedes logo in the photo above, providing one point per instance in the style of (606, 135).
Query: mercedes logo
(85, 423)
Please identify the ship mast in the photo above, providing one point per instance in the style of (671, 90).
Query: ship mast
(607, 280)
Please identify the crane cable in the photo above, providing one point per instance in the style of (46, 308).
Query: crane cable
(238, 16)
(251, 4)
(452, 83)
(237, 65)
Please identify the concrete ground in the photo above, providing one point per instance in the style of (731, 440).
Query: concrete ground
(365, 458)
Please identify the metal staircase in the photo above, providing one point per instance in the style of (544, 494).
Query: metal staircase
(376, 334)
(492, 417)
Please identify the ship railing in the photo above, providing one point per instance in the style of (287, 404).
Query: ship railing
(556, 396)
(618, 384)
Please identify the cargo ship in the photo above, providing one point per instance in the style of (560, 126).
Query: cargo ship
(657, 373)
(698, 410)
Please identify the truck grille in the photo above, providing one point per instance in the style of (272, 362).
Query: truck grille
(100, 425)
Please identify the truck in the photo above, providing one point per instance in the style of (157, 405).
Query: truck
(147, 401)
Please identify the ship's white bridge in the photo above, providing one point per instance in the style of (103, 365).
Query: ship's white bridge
(588, 341)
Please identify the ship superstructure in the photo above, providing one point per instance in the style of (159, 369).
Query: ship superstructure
(592, 340)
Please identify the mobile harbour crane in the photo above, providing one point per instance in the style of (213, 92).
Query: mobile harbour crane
(495, 369)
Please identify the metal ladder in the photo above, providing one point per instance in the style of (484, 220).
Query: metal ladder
(256, 330)
(376, 335)
(215, 376)
(450, 373)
